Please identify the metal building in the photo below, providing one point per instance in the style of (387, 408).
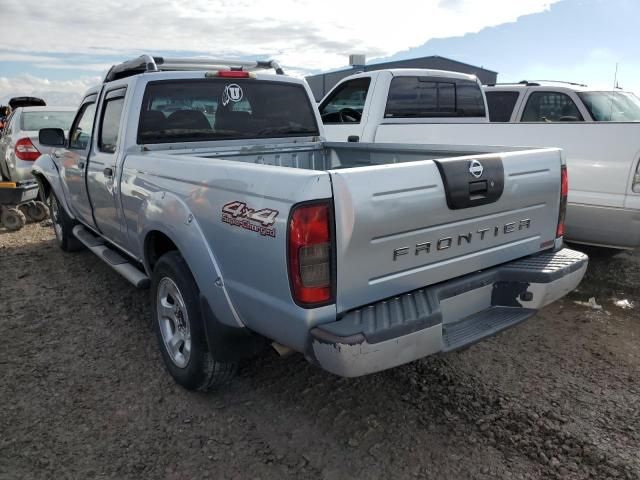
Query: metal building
(323, 82)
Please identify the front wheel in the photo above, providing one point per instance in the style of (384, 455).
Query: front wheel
(63, 226)
(179, 327)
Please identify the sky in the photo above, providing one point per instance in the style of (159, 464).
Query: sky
(56, 49)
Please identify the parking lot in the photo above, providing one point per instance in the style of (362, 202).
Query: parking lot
(84, 393)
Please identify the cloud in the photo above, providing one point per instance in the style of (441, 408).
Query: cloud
(58, 93)
(307, 34)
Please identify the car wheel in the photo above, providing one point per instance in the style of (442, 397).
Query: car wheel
(12, 218)
(63, 226)
(179, 326)
(37, 211)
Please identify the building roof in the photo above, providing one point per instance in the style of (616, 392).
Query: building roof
(432, 56)
(385, 65)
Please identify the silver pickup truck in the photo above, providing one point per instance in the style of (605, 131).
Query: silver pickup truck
(209, 182)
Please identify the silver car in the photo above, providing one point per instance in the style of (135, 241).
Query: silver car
(19, 146)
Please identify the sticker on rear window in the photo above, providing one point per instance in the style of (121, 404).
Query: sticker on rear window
(261, 221)
(231, 92)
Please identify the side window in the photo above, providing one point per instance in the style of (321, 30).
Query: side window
(80, 133)
(346, 104)
(111, 115)
(551, 107)
(432, 97)
(501, 105)
(10, 123)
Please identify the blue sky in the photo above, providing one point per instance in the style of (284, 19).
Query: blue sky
(57, 53)
(575, 40)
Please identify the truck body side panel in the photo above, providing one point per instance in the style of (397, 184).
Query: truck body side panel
(249, 259)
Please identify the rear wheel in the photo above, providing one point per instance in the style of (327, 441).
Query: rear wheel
(12, 218)
(179, 327)
(63, 226)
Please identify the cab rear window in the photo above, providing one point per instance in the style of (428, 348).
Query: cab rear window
(415, 97)
(224, 109)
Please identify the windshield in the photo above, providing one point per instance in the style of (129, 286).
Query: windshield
(612, 106)
(33, 121)
(224, 109)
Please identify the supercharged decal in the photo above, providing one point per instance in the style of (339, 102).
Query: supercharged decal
(261, 221)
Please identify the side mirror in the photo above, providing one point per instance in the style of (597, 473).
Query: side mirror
(51, 137)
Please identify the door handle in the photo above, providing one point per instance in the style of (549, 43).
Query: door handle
(353, 138)
(81, 165)
(108, 172)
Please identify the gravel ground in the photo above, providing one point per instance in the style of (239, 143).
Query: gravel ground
(84, 393)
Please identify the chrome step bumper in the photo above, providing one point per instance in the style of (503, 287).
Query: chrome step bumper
(446, 316)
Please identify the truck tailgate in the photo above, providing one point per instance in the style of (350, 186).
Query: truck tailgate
(402, 226)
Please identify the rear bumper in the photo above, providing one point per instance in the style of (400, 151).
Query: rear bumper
(603, 226)
(444, 317)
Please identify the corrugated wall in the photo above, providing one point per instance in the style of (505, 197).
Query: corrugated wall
(320, 84)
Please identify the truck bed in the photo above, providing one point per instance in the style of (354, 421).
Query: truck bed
(337, 155)
(396, 229)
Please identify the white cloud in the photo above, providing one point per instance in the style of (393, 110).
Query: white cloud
(309, 34)
(57, 65)
(305, 35)
(58, 93)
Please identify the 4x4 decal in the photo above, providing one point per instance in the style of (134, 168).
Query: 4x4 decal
(261, 221)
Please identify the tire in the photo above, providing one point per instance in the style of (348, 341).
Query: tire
(179, 327)
(38, 211)
(12, 219)
(63, 226)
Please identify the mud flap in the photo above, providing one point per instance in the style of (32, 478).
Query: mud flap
(229, 344)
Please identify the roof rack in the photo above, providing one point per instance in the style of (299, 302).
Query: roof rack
(557, 81)
(147, 63)
(536, 83)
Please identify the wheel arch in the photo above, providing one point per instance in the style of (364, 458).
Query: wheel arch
(166, 223)
(227, 342)
(47, 175)
(156, 244)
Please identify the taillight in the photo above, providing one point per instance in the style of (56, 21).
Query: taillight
(26, 150)
(310, 254)
(233, 74)
(564, 192)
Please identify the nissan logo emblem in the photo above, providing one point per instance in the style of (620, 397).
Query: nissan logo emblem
(476, 168)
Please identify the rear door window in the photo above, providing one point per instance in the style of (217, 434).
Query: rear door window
(551, 107)
(432, 97)
(346, 103)
(111, 117)
(10, 123)
(501, 105)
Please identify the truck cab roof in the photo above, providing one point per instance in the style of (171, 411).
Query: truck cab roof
(419, 72)
(160, 68)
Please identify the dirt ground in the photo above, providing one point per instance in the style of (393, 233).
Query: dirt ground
(83, 392)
